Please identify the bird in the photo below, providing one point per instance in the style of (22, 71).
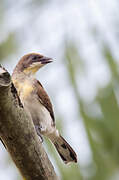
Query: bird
(37, 103)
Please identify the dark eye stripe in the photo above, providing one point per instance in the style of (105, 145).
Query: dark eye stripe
(36, 57)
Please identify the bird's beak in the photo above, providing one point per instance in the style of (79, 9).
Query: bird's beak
(45, 60)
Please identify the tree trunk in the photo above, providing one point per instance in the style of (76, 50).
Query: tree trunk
(19, 136)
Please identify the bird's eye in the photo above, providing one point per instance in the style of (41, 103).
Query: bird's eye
(34, 57)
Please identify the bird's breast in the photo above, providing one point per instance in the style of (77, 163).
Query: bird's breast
(24, 89)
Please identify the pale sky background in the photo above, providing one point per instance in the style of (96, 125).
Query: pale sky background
(56, 21)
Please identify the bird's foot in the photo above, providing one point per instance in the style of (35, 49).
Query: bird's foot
(38, 130)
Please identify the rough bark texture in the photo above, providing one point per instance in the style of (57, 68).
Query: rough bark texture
(19, 136)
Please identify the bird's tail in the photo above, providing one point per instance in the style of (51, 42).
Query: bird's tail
(65, 151)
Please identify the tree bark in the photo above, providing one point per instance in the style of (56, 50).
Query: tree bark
(19, 136)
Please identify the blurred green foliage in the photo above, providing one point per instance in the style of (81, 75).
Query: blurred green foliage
(8, 46)
(103, 133)
(8, 43)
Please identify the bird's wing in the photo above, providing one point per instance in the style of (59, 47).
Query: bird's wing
(44, 99)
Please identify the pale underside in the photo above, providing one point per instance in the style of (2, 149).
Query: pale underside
(38, 113)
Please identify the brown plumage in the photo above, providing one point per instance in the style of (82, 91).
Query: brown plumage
(37, 103)
(26, 60)
(44, 99)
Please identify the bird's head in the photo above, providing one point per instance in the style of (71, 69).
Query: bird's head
(31, 63)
